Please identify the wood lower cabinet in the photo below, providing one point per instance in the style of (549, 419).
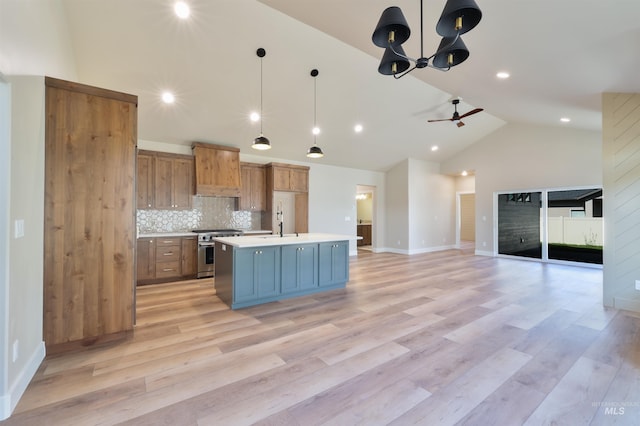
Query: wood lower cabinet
(189, 257)
(166, 259)
(146, 259)
(89, 214)
(364, 231)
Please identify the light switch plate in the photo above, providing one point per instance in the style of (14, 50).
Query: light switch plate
(19, 228)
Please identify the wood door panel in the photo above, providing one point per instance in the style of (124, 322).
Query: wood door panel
(89, 213)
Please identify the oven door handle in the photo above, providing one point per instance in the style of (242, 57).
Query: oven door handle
(206, 244)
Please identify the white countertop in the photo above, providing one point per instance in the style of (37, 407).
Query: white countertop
(287, 239)
(167, 234)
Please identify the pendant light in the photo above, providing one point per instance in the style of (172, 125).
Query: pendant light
(314, 151)
(261, 143)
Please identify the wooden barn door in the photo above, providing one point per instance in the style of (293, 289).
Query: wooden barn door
(89, 233)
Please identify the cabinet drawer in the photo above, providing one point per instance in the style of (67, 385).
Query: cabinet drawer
(167, 269)
(167, 253)
(168, 241)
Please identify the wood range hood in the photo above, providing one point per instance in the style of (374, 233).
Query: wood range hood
(217, 170)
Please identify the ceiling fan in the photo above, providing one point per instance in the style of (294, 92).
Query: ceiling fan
(456, 116)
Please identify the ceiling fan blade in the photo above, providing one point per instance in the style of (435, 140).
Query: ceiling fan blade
(443, 119)
(459, 124)
(473, 111)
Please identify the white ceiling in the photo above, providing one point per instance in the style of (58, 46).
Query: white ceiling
(561, 55)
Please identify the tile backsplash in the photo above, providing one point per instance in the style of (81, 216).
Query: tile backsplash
(207, 213)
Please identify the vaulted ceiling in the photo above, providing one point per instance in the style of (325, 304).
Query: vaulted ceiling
(561, 57)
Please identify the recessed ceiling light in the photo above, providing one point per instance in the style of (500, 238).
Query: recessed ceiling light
(315, 130)
(168, 98)
(254, 116)
(565, 119)
(358, 128)
(503, 75)
(182, 9)
(464, 173)
(434, 148)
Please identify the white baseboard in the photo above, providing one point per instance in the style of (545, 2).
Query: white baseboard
(9, 401)
(483, 253)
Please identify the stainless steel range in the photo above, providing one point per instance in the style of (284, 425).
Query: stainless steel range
(206, 252)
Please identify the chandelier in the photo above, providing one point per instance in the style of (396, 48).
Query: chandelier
(457, 18)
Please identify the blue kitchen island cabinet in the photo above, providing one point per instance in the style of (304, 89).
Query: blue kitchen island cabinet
(299, 267)
(334, 263)
(258, 273)
(253, 270)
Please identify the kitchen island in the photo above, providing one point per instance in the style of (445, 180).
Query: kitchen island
(251, 270)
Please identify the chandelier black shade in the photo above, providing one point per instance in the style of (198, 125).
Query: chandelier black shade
(451, 52)
(392, 62)
(457, 18)
(261, 143)
(463, 13)
(391, 25)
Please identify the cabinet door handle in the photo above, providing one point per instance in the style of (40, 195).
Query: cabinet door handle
(167, 269)
(169, 253)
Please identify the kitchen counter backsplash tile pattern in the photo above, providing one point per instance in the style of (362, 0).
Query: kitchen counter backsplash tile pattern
(207, 213)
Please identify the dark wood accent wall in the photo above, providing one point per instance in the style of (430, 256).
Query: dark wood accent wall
(89, 232)
(518, 222)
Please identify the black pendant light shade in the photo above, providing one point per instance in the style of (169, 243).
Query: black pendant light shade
(261, 143)
(314, 151)
(463, 13)
(392, 63)
(391, 21)
(450, 55)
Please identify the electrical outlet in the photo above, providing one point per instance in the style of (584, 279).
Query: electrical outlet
(16, 350)
(637, 284)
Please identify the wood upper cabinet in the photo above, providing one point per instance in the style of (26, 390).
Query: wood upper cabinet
(290, 178)
(144, 182)
(173, 186)
(165, 181)
(89, 214)
(253, 190)
(217, 170)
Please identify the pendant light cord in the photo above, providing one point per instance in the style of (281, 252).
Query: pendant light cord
(260, 96)
(315, 106)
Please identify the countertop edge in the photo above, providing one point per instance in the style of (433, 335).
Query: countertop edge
(256, 241)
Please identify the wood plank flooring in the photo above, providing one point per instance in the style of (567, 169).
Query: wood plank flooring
(443, 338)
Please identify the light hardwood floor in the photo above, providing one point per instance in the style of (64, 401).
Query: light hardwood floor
(432, 339)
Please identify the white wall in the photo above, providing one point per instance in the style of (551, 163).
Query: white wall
(431, 208)
(33, 42)
(397, 208)
(520, 157)
(5, 194)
